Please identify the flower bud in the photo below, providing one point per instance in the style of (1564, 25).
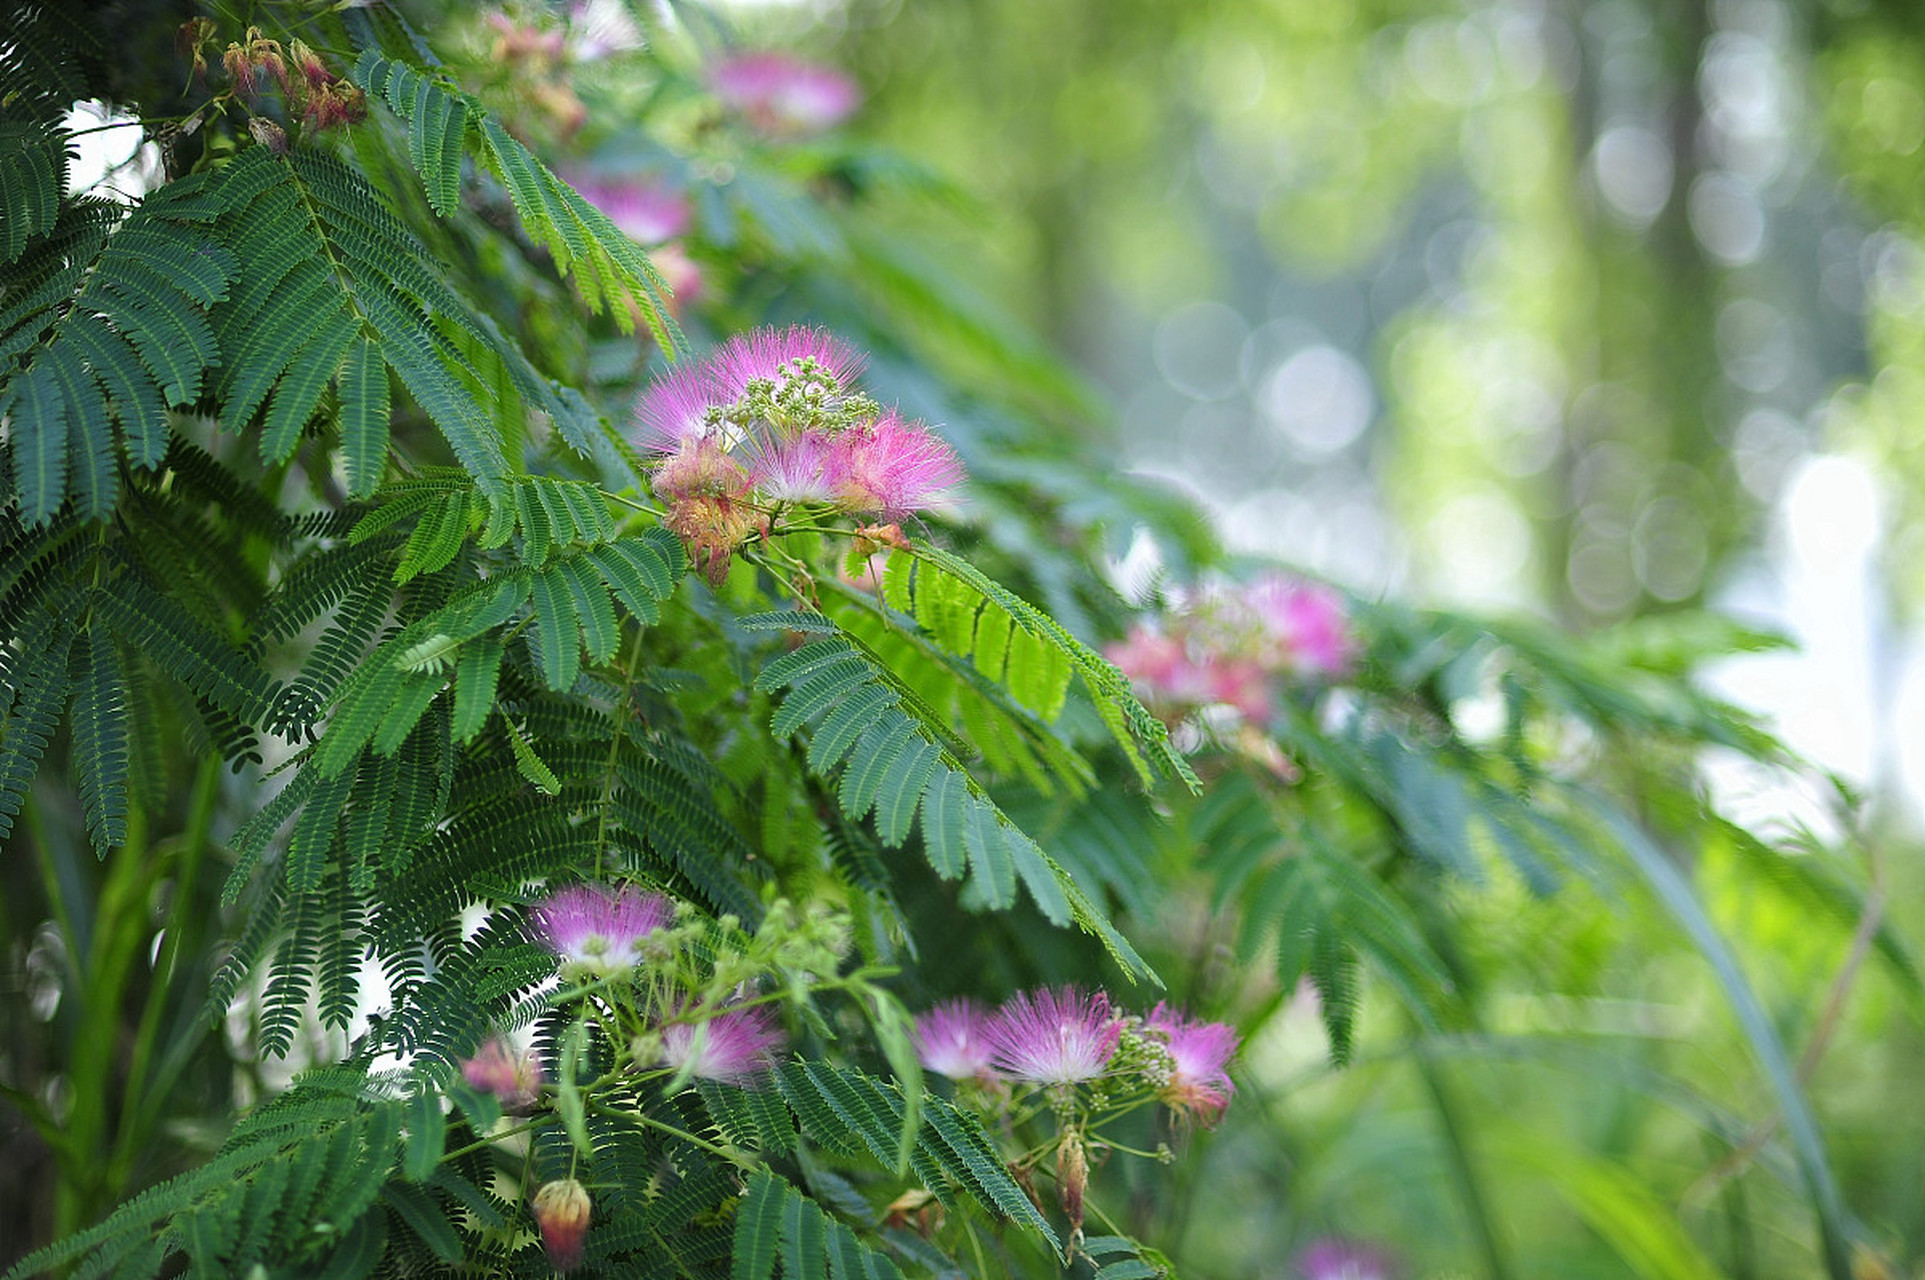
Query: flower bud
(562, 1211)
(1072, 1178)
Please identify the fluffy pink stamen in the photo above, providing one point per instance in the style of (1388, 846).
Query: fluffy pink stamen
(1054, 1035)
(952, 1040)
(898, 468)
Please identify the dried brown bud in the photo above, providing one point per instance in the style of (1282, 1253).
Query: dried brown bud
(241, 68)
(872, 537)
(189, 38)
(917, 1209)
(268, 134)
(561, 1211)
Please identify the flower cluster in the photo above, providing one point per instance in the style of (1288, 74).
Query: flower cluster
(308, 87)
(602, 934)
(1230, 645)
(782, 96)
(1091, 1062)
(1065, 1036)
(773, 418)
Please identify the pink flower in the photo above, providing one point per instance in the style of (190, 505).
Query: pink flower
(591, 930)
(735, 1046)
(1162, 667)
(780, 95)
(1200, 1051)
(676, 409)
(1053, 1035)
(702, 468)
(898, 467)
(514, 1078)
(644, 211)
(1240, 684)
(780, 356)
(1308, 627)
(952, 1040)
(1337, 1259)
(681, 273)
(809, 468)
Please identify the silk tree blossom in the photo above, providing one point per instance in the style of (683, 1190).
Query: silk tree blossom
(1306, 624)
(809, 468)
(898, 467)
(646, 212)
(1198, 1084)
(798, 356)
(952, 1040)
(1337, 1259)
(600, 933)
(735, 1046)
(784, 96)
(681, 406)
(1054, 1035)
(514, 1078)
(1161, 666)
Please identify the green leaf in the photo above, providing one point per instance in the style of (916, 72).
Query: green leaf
(758, 1228)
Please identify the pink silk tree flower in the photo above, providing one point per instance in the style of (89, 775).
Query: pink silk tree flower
(783, 96)
(808, 468)
(898, 468)
(1308, 628)
(514, 1078)
(1053, 1035)
(736, 1046)
(1199, 1086)
(779, 356)
(952, 1040)
(646, 212)
(1161, 666)
(1336, 1259)
(601, 933)
(677, 409)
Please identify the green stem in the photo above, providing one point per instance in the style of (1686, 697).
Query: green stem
(1468, 1180)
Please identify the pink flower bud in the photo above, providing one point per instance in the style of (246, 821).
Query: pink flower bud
(561, 1211)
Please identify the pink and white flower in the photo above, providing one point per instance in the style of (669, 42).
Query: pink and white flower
(600, 933)
(808, 468)
(1307, 626)
(1199, 1084)
(898, 467)
(514, 1078)
(736, 1046)
(952, 1040)
(784, 96)
(779, 356)
(1054, 1035)
(678, 408)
